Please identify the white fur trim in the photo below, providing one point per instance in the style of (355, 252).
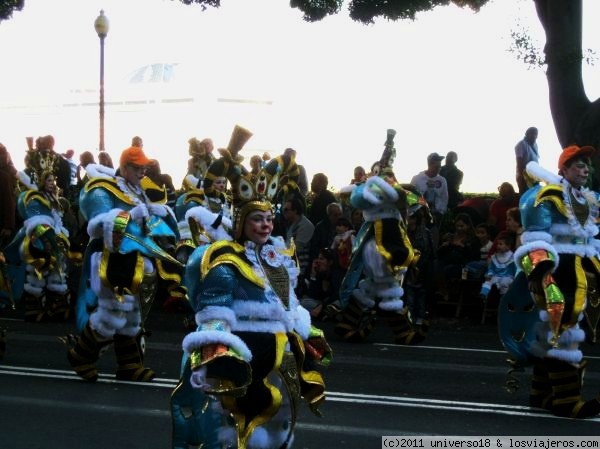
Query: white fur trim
(534, 236)
(216, 313)
(158, 209)
(33, 290)
(99, 171)
(348, 189)
(195, 340)
(536, 171)
(391, 292)
(302, 322)
(58, 288)
(568, 337)
(184, 230)
(36, 220)
(363, 299)
(526, 248)
(102, 225)
(566, 355)
(394, 305)
(192, 181)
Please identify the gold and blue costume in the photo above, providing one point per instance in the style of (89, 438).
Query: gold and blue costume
(254, 354)
(124, 261)
(560, 251)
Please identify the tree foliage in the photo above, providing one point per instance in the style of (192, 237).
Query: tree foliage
(7, 7)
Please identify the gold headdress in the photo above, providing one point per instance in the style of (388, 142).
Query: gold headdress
(249, 192)
(39, 164)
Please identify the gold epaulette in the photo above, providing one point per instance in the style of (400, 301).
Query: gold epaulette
(109, 184)
(225, 252)
(554, 194)
(31, 195)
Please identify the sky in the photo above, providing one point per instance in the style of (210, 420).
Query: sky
(444, 82)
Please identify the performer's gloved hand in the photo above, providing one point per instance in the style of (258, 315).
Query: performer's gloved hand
(139, 212)
(198, 379)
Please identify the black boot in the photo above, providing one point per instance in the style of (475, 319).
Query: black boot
(34, 307)
(406, 332)
(85, 353)
(355, 324)
(130, 359)
(540, 395)
(58, 306)
(566, 381)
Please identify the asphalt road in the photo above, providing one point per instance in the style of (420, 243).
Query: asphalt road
(452, 384)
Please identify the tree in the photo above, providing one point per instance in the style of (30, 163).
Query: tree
(576, 118)
(7, 7)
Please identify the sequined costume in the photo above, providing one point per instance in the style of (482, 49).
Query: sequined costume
(132, 240)
(559, 252)
(381, 256)
(253, 355)
(42, 243)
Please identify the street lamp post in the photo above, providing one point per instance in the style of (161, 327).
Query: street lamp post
(101, 26)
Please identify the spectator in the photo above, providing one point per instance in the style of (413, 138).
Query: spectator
(455, 251)
(476, 269)
(454, 178)
(321, 197)
(85, 159)
(514, 225)
(356, 218)
(418, 280)
(343, 242)
(526, 151)
(323, 284)
(434, 189)
(136, 141)
(325, 230)
(497, 214)
(105, 159)
(360, 175)
(8, 206)
(300, 229)
(501, 268)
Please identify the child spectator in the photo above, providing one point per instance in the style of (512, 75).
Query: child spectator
(501, 267)
(477, 268)
(417, 279)
(342, 242)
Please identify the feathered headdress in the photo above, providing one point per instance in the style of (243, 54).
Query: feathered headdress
(249, 192)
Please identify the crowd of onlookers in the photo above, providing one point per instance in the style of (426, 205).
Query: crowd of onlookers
(456, 236)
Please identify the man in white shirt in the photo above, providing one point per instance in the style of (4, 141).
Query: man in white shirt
(526, 151)
(434, 189)
(299, 228)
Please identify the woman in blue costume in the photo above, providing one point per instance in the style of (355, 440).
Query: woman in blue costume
(557, 288)
(132, 240)
(253, 355)
(381, 256)
(43, 242)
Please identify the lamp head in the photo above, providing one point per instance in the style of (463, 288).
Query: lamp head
(101, 24)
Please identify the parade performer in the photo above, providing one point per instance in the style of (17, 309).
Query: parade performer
(43, 242)
(557, 288)
(132, 240)
(381, 256)
(254, 353)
